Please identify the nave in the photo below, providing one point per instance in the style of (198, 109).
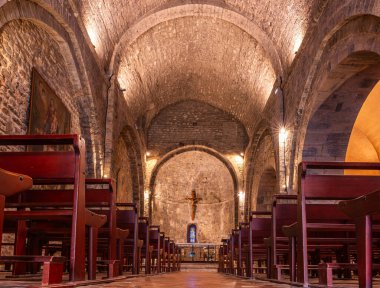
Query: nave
(192, 279)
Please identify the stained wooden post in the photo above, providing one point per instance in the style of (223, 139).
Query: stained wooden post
(92, 252)
(78, 232)
(364, 247)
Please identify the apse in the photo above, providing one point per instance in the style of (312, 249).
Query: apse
(214, 208)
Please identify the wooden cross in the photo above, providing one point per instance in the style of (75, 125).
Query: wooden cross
(194, 200)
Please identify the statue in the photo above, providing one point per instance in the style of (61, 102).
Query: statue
(194, 200)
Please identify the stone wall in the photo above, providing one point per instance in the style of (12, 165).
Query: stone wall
(212, 182)
(196, 123)
(264, 183)
(122, 172)
(330, 127)
(23, 46)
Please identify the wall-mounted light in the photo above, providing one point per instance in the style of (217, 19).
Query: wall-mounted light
(239, 159)
(146, 195)
(242, 154)
(241, 196)
(147, 154)
(282, 135)
(105, 176)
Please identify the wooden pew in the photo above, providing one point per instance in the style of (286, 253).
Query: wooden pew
(14, 183)
(163, 254)
(283, 213)
(62, 167)
(326, 218)
(155, 242)
(223, 256)
(178, 255)
(174, 251)
(11, 184)
(365, 211)
(234, 256)
(100, 199)
(259, 229)
(146, 250)
(127, 218)
(167, 254)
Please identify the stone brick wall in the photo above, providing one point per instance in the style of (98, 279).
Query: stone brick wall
(196, 123)
(122, 172)
(330, 127)
(212, 182)
(264, 183)
(23, 46)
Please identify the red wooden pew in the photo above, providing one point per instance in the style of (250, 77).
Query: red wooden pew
(155, 242)
(326, 218)
(127, 218)
(259, 229)
(365, 211)
(146, 250)
(60, 167)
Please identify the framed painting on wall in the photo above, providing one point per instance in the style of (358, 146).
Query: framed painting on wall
(48, 114)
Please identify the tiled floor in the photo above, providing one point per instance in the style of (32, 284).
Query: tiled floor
(191, 279)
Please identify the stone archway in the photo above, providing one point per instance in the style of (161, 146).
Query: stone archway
(267, 188)
(173, 182)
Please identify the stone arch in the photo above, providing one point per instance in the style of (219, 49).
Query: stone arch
(266, 190)
(135, 165)
(178, 10)
(329, 129)
(360, 34)
(38, 15)
(262, 137)
(207, 150)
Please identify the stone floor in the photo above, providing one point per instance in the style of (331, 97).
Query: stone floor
(191, 279)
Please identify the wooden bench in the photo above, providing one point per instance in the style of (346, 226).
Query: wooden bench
(101, 199)
(365, 211)
(283, 213)
(260, 228)
(147, 249)
(168, 262)
(127, 218)
(163, 252)
(53, 168)
(11, 184)
(314, 219)
(155, 242)
(234, 255)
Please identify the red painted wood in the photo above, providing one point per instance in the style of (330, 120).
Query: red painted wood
(326, 187)
(55, 167)
(127, 218)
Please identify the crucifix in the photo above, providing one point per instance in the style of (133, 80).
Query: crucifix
(194, 199)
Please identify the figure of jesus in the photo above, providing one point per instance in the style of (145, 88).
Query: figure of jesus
(194, 201)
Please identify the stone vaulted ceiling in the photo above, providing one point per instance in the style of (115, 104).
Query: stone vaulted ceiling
(227, 53)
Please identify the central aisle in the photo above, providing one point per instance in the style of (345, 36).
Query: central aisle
(192, 279)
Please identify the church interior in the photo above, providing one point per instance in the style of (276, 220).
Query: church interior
(190, 143)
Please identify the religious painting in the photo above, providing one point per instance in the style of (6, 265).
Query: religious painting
(48, 114)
